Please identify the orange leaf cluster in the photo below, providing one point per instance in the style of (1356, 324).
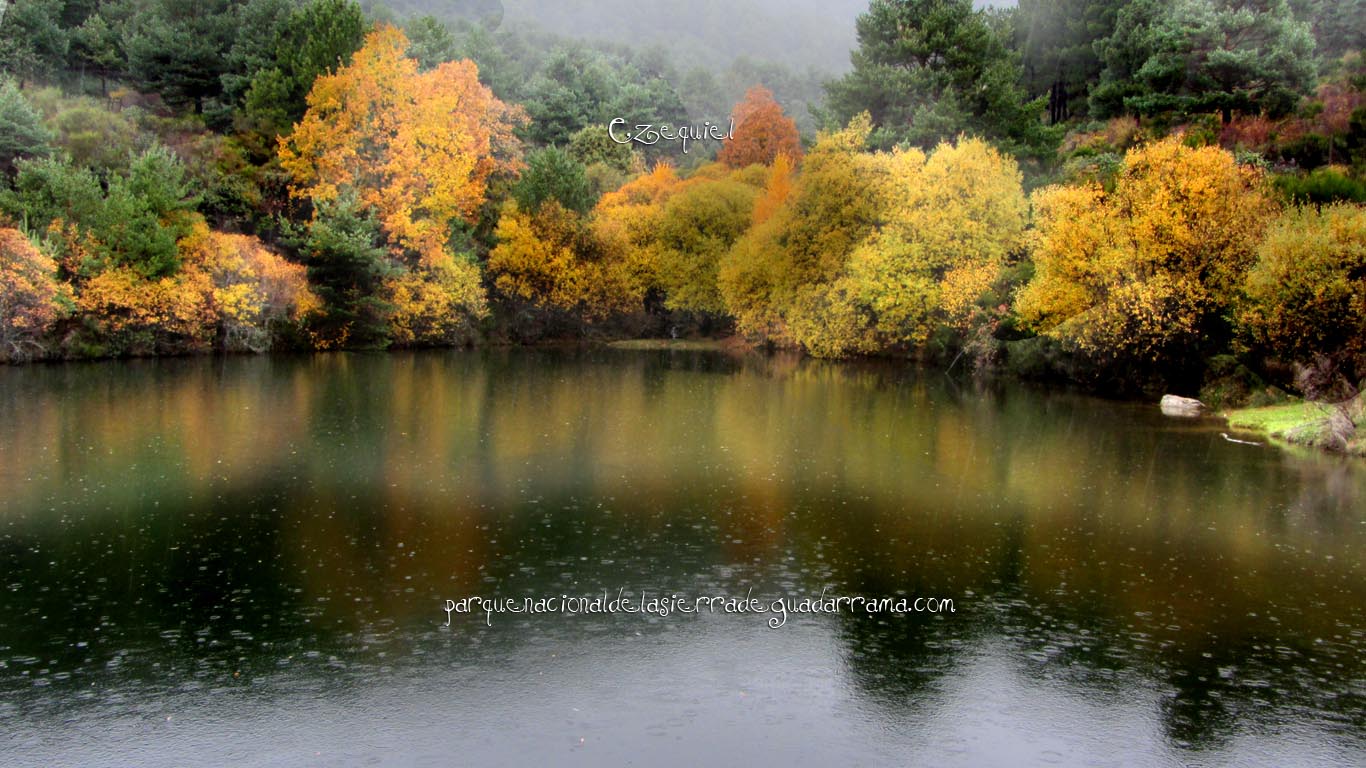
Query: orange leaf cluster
(418, 147)
(30, 296)
(762, 132)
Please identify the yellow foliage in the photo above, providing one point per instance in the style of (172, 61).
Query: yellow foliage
(807, 239)
(776, 190)
(437, 303)
(169, 313)
(867, 251)
(697, 226)
(31, 298)
(251, 283)
(950, 222)
(553, 260)
(828, 321)
(418, 146)
(1141, 271)
(1307, 292)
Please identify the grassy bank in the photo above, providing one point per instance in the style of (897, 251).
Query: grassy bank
(1327, 426)
(691, 345)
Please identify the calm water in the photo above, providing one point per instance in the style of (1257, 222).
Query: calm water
(245, 561)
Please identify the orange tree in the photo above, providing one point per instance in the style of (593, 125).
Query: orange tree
(417, 149)
(762, 132)
(31, 298)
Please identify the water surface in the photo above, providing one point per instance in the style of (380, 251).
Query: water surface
(244, 561)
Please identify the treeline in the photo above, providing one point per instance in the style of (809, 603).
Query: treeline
(1156, 192)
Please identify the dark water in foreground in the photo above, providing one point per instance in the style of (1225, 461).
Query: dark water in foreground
(244, 562)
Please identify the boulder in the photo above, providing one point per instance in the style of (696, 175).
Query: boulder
(1174, 405)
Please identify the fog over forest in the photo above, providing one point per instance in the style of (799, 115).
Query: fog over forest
(709, 33)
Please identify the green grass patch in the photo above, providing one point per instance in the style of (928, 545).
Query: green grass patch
(691, 345)
(1276, 420)
(1317, 425)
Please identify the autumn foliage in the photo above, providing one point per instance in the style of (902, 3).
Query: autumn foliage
(418, 147)
(1306, 293)
(30, 296)
(250, 289)
(231, 292)
(762, 132)
(1149, 271)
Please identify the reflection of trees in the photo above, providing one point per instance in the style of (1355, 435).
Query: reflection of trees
(1101, 541)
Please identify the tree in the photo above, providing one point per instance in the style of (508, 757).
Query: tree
(776, 190)
(698, 226)
(927, 70)
(1226, 56)
(551, 174)
(282, 50)
(137, 315)
(1146, 273)
(1336, 25)
(762, 132)
(430, 42)
(1058, 43)
(436, 304)
(552, 261)
(579, 86)
(1123, 53)
(33, 44)
(347, 267)
(179, 51)
(807, 241)
(536, 259)
(951, 223)
(31, 299)
(417, 147)
(134, 223)
(1306, 293)
(594, 144)
(22, 133)
(572, 91)
(98, 46)
(252, 291)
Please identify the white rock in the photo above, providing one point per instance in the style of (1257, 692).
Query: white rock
(1173, 405)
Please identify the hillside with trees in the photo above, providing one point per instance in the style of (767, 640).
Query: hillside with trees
(1133, 195)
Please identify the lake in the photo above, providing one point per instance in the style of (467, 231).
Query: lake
(246, 561)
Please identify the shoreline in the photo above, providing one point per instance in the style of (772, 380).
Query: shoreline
(1334, 428)
(1331, 428)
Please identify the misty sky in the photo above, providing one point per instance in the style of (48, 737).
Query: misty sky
(801, 34)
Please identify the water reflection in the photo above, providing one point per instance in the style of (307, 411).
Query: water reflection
(199, 549)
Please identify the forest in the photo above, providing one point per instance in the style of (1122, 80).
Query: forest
(1132, 196)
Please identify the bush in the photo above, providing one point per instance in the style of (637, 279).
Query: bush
(1320, 187)
(1306, 294)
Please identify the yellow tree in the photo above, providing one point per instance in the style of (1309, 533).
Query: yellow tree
(806, 242)
(251, 289)
(625, 226)
(949, 223)
(1148, 271)
(138, 315)
(552, 259)
(1306, 294)
(776, 189)
(697, 226)
(418, 146)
